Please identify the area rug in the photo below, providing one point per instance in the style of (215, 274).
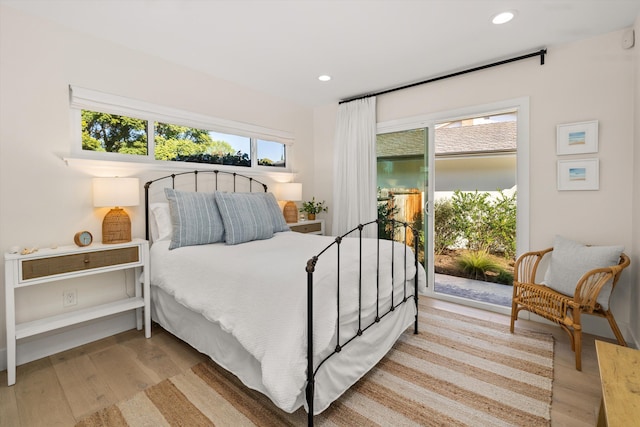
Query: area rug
(458, 371)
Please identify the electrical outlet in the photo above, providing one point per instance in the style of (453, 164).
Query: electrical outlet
(69, 298)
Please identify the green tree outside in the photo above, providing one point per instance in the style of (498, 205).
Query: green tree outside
(113, 133)
(481, 223)
(120, 134)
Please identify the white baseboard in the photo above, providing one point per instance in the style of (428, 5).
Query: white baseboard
(43, 345)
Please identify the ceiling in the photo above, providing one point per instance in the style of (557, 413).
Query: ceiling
(281, 47)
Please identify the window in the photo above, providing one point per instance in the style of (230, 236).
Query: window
(271, 153)
(113, 133)
(185, 144)
(137, 131)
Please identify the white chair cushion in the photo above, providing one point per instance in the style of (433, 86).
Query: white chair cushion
(571, 260)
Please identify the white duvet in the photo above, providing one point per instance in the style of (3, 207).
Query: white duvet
(256, 291)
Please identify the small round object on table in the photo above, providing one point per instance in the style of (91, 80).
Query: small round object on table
(83, 238)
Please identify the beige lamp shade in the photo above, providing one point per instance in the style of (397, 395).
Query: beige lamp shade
(116, 192)
(291, 192)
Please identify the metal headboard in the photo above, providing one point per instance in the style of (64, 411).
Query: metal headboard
(199, 178)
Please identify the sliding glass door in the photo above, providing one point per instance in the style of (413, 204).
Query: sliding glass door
(455, 175)
(467, 239)
(475, 207)
(403, 183)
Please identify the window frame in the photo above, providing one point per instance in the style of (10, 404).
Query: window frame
(87, 99)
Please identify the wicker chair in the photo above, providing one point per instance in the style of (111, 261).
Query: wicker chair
(561, 309)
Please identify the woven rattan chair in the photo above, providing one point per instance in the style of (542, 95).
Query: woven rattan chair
(562, 309)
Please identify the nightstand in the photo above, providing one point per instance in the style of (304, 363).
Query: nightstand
(67, 262)
(315, 226)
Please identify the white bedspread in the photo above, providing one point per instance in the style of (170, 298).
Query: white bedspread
(257, 292)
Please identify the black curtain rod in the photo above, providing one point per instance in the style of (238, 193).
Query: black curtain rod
(541, 53)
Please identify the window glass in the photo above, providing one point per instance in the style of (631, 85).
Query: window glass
(271, 154)
(186, 144)
(130, 130)
(241, 148)
(112, 133)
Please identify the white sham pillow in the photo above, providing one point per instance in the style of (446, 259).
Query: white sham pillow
(161, 228)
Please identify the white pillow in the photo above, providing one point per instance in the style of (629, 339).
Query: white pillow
(571, 260)
(161, 228)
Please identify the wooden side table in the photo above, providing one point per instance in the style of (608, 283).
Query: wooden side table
(620, 377)
(67, 262)
(315, 226)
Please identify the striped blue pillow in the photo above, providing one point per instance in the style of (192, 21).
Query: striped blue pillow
(277, 218)
(195, 218)
(245, 217)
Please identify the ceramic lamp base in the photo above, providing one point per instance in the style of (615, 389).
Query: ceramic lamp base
(290, 212)
(116, 227)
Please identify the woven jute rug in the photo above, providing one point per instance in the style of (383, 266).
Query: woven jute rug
(458, 371)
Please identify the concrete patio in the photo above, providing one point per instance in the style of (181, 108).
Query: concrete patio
(476, 290)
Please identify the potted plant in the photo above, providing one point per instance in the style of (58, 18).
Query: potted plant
(311, 208)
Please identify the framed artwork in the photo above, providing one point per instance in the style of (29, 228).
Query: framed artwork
(578, 174)
(577, 138)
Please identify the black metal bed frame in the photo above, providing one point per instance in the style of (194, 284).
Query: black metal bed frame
(310, 269)
(311, 265)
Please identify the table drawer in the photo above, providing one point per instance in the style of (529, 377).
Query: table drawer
(36, 268)
(306, 228)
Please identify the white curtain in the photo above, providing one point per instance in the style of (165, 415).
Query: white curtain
(354, 184)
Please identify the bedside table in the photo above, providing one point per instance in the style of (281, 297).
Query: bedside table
(67, 262)
(315, 226)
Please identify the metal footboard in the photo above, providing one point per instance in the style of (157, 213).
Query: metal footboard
(310, 268)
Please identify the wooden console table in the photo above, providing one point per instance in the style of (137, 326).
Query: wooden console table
(620, 377)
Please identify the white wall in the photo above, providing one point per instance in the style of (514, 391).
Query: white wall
(635, 256)
(586, 80)
(43, 201)
(323, 133)
(472, 173)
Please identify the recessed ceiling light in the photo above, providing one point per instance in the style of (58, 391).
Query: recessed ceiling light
(503, 17)
(324, 78)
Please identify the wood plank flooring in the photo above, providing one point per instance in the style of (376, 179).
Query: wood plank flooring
(63, 388)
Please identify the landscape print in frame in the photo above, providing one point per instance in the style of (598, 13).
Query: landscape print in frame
(577, 138)
(578, 174)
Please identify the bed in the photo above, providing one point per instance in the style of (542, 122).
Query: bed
(298, 317)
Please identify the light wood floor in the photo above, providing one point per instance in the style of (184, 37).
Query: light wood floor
(61, 389)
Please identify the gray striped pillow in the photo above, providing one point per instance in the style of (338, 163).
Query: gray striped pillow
(277, 218)
(245, 217)
(195, 218)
